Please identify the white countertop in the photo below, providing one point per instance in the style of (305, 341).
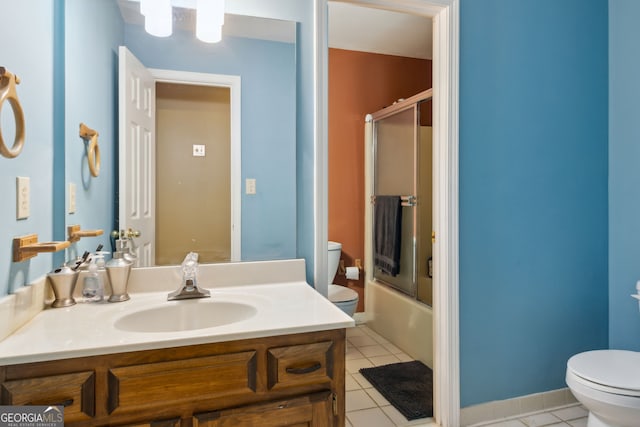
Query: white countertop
(88, 329)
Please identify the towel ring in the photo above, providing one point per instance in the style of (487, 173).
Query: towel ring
(93, 151)
(8, 92)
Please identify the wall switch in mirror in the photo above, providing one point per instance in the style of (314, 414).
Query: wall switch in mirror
(72, 198)
(23, 194)
(251, 186)
(198, 150)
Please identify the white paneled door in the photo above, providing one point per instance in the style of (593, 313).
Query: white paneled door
(137, 155)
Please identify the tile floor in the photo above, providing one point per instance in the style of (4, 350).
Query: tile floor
(574, 416)
(366, 407)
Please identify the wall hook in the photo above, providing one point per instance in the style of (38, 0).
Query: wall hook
(8, 92)
(93, 151)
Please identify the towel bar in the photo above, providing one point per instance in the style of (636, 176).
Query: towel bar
(405, 200)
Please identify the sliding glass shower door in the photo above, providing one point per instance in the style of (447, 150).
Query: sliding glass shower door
(403, 169)
(394, 175)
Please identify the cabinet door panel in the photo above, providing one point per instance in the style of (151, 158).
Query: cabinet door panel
(168, 383)
(75, 391)
(312, 410)
(300, 365)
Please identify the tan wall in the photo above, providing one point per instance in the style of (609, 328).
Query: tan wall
(193, 197)
(360, 83)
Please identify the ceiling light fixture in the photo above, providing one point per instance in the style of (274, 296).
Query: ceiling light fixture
(145, 5)
(209, 20)
(158, 19)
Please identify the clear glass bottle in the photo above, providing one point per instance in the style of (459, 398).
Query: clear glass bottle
(93, 287)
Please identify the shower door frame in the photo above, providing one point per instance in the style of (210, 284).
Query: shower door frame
(399, 107)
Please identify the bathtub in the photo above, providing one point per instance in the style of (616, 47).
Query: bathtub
(405, 322)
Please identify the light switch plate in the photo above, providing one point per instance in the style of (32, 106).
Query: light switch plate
(23, 195)
(72, 198)
(250, 186)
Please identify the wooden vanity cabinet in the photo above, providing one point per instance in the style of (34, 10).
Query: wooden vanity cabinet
(283, 380)
(312, 410)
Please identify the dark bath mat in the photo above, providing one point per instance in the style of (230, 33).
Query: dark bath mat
(408, 386)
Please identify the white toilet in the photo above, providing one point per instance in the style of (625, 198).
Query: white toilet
(344, 298)
(607, 383)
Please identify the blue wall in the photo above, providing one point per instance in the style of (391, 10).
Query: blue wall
(533, 192)
(624, 173)
(91, 97)
(268, 73)
(36, 94)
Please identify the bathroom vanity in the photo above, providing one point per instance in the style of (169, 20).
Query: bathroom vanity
(282, 364)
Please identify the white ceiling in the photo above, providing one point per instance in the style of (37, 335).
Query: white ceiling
(366, 29)
(351, 27)
(234, 25)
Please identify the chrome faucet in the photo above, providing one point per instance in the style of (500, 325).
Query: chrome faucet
(189, 287)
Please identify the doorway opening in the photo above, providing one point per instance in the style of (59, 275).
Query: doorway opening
(193, 173)
(445, 15)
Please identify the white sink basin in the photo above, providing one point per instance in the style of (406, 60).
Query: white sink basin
(186, 315)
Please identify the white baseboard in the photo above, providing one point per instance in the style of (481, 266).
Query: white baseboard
(477, 415)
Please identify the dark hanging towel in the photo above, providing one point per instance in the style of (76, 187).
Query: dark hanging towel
(387, 234)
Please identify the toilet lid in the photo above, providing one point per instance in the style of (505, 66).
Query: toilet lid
(334, 246)
(339, 293)
(619, 369)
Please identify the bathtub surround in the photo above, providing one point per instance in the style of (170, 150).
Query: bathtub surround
(402, 320)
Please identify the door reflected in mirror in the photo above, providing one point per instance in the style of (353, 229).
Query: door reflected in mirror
(262, 52)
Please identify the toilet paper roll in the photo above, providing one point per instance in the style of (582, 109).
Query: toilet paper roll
(353, 273)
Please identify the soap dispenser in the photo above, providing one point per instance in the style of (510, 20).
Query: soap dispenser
(118, 270)
(93, 286)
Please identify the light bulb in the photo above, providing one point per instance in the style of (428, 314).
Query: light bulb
(209, 20)
(145, 5)
(209, 33)
(159, 18)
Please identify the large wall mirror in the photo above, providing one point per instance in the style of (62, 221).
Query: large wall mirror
(263, 53)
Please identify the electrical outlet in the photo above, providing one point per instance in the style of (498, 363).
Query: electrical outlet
(250, 185)
(72, 198)
(198, 150)
(23, 194)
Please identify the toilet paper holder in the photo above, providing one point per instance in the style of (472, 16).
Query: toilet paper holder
(344, 271)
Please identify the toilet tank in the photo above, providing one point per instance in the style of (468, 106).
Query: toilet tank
(333, 260)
